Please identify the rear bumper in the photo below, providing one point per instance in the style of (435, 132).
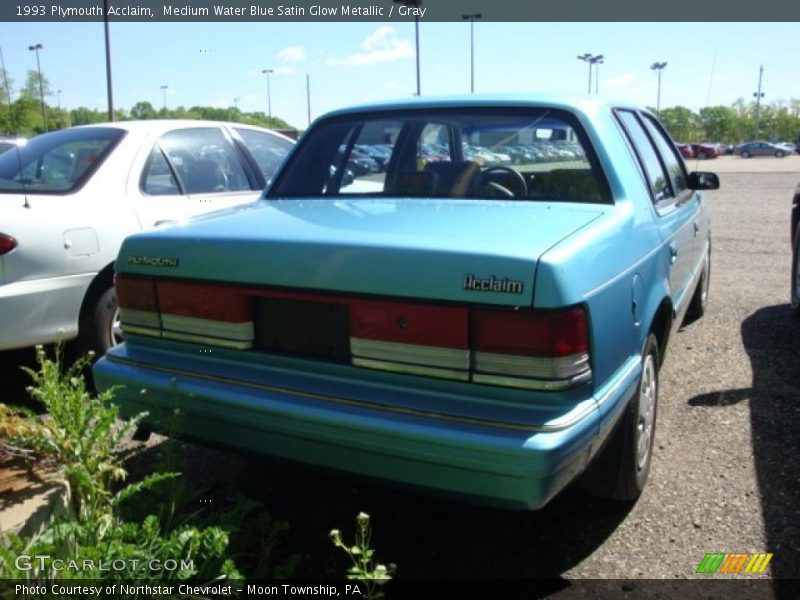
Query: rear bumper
(507, 456)
(41, 311)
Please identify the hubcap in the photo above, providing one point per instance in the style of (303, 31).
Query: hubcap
(116, 329)
(647, 404)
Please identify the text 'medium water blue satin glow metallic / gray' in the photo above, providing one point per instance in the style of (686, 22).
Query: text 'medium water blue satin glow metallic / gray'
(469, 295)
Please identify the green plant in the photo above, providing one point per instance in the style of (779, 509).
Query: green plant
(363, 568)
(82, 434)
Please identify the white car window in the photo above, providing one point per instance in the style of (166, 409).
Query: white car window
(267, 150)
(203, 160)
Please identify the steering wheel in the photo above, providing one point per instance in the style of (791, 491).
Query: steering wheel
(520, 187)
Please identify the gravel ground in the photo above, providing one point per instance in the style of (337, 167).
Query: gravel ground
(725, 474)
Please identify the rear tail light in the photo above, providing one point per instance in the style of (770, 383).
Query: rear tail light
(138, 305)
(529, 349)
(189, 312)
(7, 244)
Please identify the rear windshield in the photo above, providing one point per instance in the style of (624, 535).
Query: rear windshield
(525, 154)
(57, 162)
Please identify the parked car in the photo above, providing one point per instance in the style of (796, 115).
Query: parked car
(795, 240)
(749, 149)
(704, 151)
(488, 332)
(685, 150)
(69, 197)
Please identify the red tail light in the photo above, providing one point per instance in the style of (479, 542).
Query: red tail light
(529, 333)
(136, 293)
(528, 349)
(7, 244)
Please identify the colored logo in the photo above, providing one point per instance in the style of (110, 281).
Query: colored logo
(734, 562)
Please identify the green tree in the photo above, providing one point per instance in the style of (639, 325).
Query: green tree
(681, 123)
(6, 87)
(31, 89)
(84, 116)
(717, 123)
(143, 110)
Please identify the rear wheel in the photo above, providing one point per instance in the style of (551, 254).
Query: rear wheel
(780, 153)
(100, 330)
(701, 155)
(745, 154)
(621, 469)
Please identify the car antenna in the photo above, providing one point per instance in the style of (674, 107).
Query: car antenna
(708, 95)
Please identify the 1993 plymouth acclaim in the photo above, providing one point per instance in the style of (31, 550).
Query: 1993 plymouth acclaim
(453, 322)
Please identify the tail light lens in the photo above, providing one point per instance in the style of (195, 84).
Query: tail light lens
(7, 244)
(529, 349)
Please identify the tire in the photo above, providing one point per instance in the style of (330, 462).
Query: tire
(745, 154)
(699, 302)
(701, 155)
(99, 331)
(621, 469)
(795, 282)
(780, 153)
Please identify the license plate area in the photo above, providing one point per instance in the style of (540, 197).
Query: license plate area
(304, 328)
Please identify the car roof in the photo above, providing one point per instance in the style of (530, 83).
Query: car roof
(168, 124)
(557, 101)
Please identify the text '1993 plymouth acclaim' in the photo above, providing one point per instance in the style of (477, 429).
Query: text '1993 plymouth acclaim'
(485, 316)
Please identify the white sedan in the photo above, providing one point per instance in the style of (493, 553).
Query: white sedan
(68, 199)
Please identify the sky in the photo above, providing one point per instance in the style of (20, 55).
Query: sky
(351, 63)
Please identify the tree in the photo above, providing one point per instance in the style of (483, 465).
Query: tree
(680, 122)
(85, 116)
(143, 110)
(31, 89)
(717, 123)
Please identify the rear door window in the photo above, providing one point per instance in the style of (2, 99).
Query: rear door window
(202, 161)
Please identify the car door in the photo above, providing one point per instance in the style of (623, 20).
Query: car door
(676, 207)
(190, 171)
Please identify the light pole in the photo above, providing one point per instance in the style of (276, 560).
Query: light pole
(587, 58)
(758, 96)
(658, 67)
(269, 96)
(5, 78)
(471, 17)
(109, 92)
(596, 61)
(36, 48)
(415, 3)
(58, 96)
(236, 103)
(164, 89)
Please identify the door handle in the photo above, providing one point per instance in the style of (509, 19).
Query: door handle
(673, 252)
(696, 229)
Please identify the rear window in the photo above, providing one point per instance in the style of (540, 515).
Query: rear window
(502, 153)
(57, 162)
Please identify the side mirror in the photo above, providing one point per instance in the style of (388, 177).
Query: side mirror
(702, 180)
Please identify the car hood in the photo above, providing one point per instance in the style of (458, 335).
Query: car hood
(414, 248)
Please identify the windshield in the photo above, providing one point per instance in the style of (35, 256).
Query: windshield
(527, 154)
(57, 162)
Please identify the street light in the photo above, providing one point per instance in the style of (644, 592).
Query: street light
(596, 61)
(269, 96)
(164, 89)
(658, 67)
(758, 96)
(587, 58)
(415, 3)
(36, 49)
(471, 17)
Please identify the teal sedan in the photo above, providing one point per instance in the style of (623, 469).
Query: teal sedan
(484, 330)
